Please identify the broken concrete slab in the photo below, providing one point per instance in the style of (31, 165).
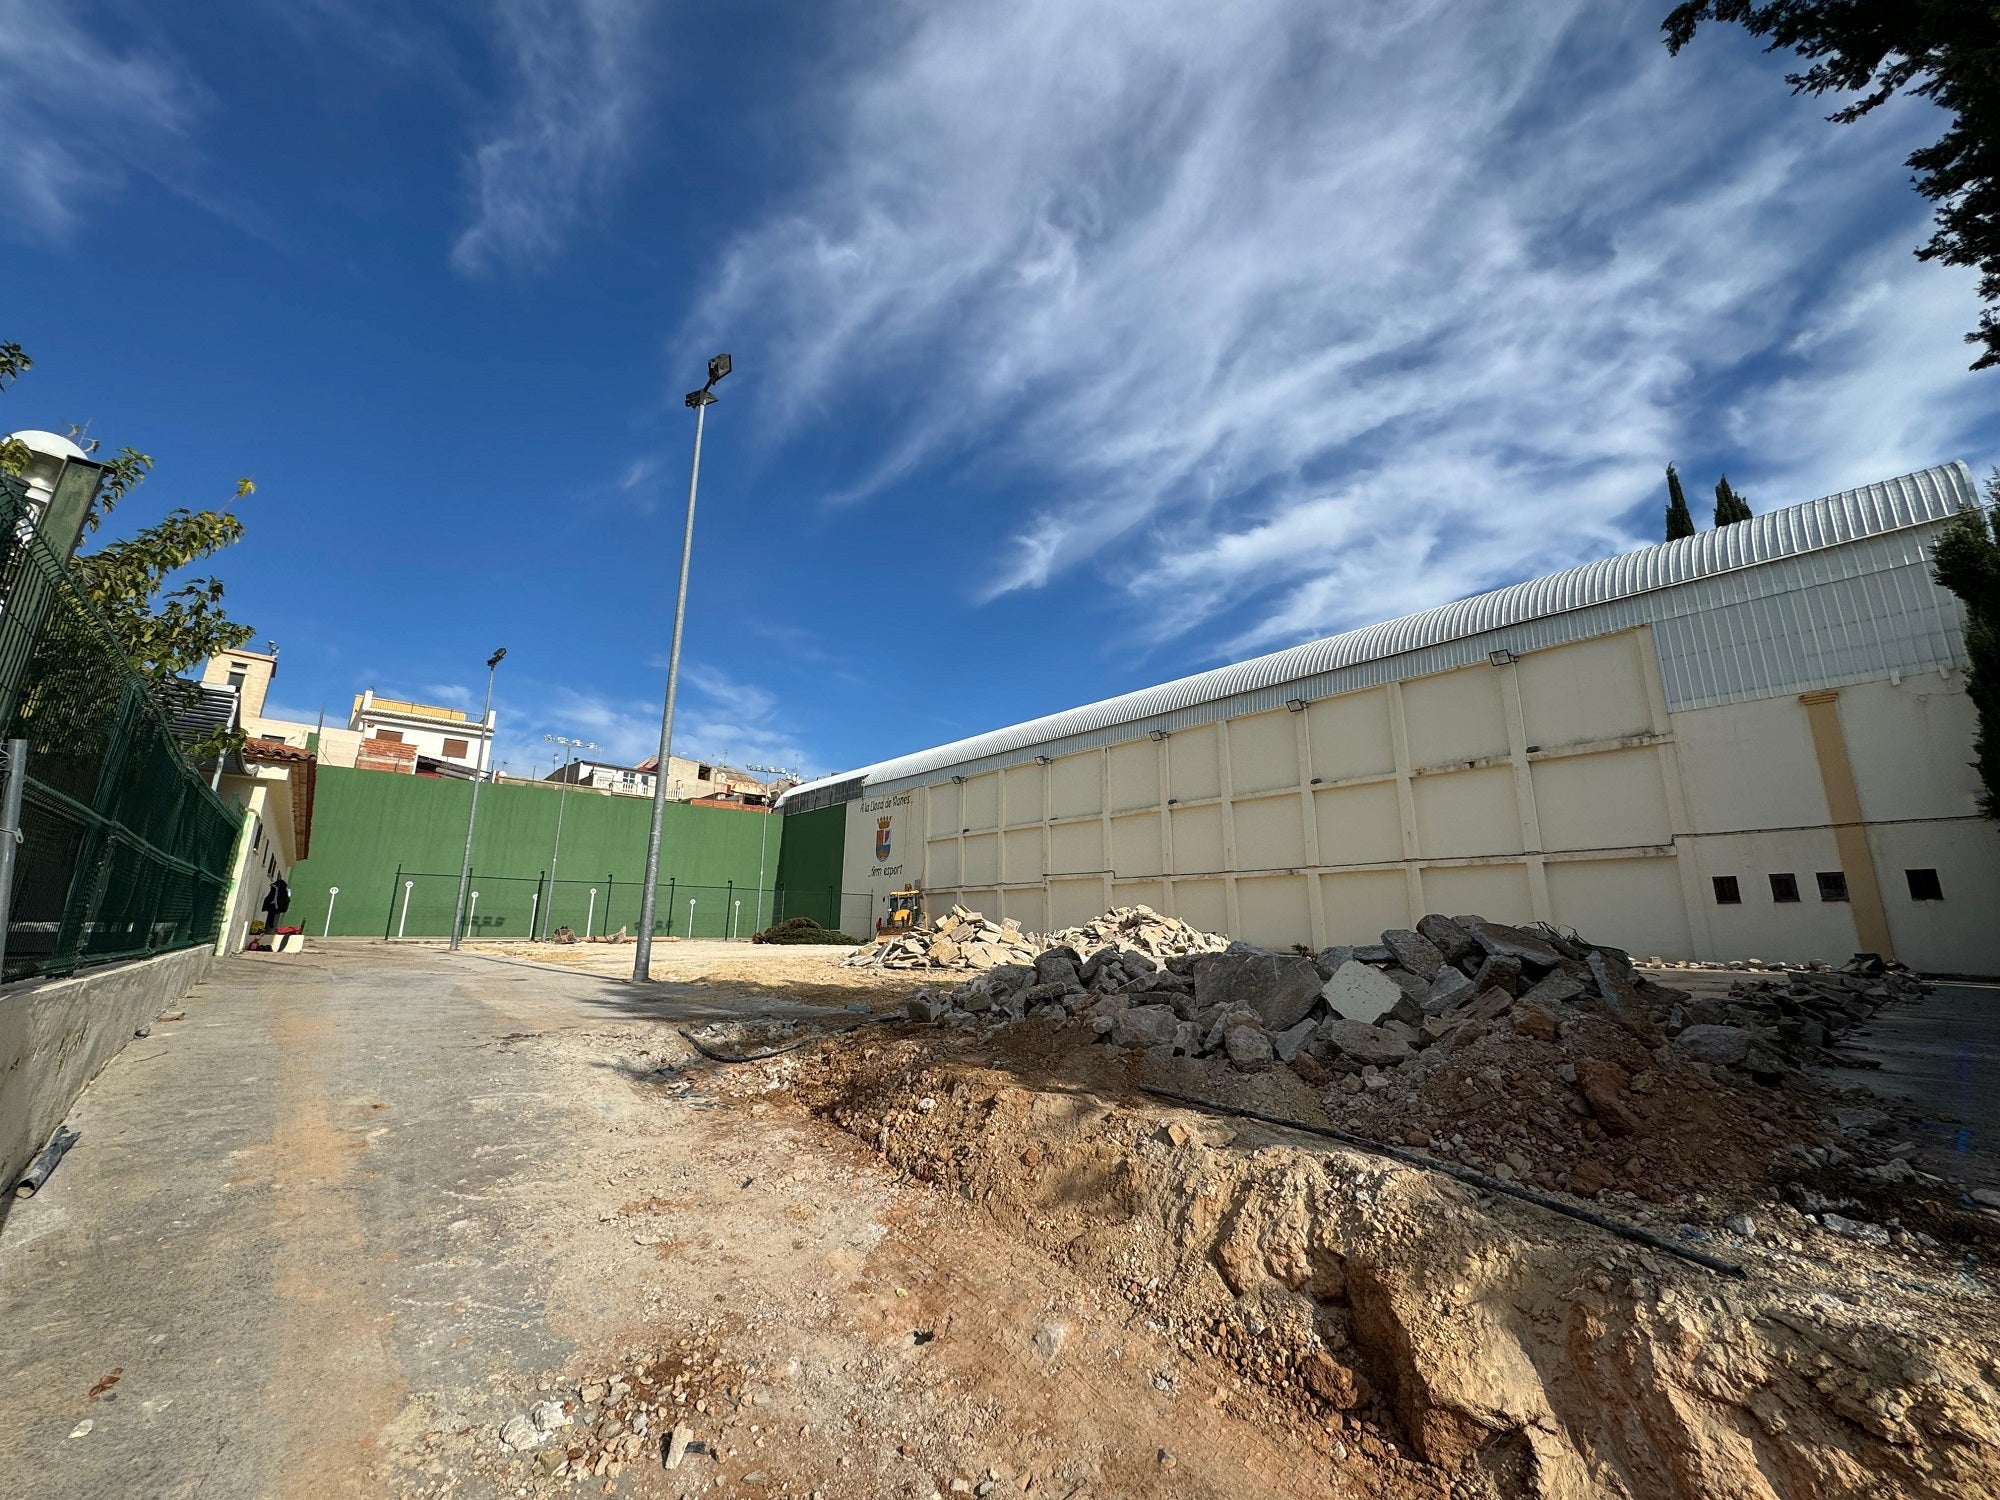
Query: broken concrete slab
(1368, 1046)
(1360, 992)
(1531, 949)
(1249, 1049)
(1281, 988)
(1142, 1026)
(1447, 936)
(1414, 951)
(1451, 989)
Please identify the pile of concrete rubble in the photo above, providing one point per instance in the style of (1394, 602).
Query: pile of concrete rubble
(963, 939)
(1366, 1010)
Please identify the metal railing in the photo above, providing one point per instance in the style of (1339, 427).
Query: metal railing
(420, 904)
(124, 849)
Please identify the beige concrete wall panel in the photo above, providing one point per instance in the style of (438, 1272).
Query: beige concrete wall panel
(1135, 845)
(1270, 833)
(1135, 775)
(942, 866)
(1076, 785)
(1197, 840)
(1360, 904)
(1151, 893)
(1274, 911)
(982, 899)
(1465, 813)
(1351, 735)
(1957, 935)
(1359, 825)
(1203, 903)
(1263, 752)
(981, 801)
(1023, 848)
(1749, 765)
(1909, 745)
(1074, 902)
(1455, 716)
(1195, 764)
(1499, 891)
(1613, 800)
(1023, 786)
(1634, 904)
(944, 805)
(1593, 690)
(1077, 848)
(1760, 927)
(1029, 907)
(982, 859)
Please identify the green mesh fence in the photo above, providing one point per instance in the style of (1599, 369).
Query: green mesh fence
(420, 904)
(125, 851)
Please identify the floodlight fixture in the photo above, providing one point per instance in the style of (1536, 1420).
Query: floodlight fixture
(1501, 658)
(718, 367)
(1296, 705)
(1156, 734)
(1041, 760)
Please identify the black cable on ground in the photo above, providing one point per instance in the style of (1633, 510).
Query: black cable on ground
(1466, 1175)
(805, 1041)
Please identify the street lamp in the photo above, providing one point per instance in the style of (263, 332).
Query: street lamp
(472, 818)
(642, 956)
(562, 797)
(781, 773)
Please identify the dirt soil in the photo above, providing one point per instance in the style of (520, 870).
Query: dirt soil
(806, 972)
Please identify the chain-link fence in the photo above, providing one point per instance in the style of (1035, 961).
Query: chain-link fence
(125, 850)
(420, 904)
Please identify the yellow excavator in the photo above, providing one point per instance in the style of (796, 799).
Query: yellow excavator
(906, 909)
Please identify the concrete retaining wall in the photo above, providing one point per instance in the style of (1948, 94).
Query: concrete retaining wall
(56, 1034)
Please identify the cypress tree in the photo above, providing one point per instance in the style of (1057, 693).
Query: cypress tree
(1730, 507)
(1966, 560)
(1680, 521)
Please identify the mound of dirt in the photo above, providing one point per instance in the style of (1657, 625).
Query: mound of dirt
(1386, 1315)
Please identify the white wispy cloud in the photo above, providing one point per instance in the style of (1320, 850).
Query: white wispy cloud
(578, 73)
(1302, 315)
(78, 115)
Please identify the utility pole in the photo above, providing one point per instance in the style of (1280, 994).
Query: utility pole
(472, 818)
(562, 798)
(642, 956)
(770, 812)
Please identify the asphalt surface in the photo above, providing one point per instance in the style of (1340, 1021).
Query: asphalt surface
(258, 1249)
(1941, 1054)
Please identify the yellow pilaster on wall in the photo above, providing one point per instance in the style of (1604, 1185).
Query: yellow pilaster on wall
(1850, 834)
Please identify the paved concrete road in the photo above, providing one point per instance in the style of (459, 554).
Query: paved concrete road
(265, 1240)
(1941, 1054)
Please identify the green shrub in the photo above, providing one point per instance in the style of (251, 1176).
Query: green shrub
(801, 930)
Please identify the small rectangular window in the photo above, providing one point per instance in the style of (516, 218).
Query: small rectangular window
(236, 681)
(1784, 887)
(393, 736)
(1832, 885)
(454, 748)
(1727, 892)
(1924, 885)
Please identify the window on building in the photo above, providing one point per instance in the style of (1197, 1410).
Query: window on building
(1832, 885)
(705, 773)
(1924, 885)
(1784, 887)
(257, 834)
(393, 736)
(454, 749)
(1727, 891)
(236, 681)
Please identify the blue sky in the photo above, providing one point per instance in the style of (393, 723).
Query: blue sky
(1078, 345)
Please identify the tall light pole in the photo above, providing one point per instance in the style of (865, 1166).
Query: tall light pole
(562, 796)
(472, 818)
(642, 956)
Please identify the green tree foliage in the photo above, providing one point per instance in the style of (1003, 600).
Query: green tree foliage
(1730, 507)
(1946, 51)
(1680, 520)
(167, 624)
(1966, 560)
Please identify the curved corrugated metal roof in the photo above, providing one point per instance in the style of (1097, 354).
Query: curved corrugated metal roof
(1911, 500)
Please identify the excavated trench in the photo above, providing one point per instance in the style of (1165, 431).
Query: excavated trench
(1383, 1310)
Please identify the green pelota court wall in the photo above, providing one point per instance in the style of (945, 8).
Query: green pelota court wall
(375, 831)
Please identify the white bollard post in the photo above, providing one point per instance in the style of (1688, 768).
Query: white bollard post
(332, 892)
(735, 914)
(589, 914)
(404, 920)
(690, 919)
(534, 901)
(472, 915)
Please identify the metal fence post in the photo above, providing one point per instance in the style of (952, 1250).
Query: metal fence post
(10, 836)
